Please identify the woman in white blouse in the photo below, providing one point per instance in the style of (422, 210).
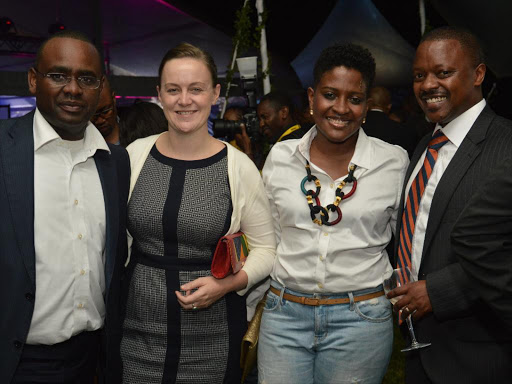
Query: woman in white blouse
(334, 196)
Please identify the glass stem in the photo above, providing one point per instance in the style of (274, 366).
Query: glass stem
(411, 330)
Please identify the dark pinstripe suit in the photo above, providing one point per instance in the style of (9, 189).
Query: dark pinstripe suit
(466, 342)
(482, 240)
(17, 254)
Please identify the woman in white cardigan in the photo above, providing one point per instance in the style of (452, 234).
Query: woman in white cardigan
(188, 190)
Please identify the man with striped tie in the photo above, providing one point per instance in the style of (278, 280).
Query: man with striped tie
(468, 345)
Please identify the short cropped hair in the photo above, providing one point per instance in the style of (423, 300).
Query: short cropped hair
(350, 56)
(470, 44)
(278, 100)
(69, 35)
(185, 50)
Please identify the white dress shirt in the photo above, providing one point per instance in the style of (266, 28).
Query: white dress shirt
(456, 130)
(69, 235)
(347, 256)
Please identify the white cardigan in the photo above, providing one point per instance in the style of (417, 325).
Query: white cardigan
(251, 209)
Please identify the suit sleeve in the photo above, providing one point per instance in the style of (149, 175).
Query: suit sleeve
(482, 241)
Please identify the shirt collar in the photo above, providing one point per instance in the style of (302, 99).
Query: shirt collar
(457, 129)
(44, 134)
(362, 156)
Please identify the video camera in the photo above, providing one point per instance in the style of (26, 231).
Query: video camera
(228, 129)
(249, 84)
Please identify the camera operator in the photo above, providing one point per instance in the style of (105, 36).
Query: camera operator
(275, 112)
(241, 140)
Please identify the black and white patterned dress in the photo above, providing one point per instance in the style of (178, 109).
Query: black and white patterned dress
(177, 212)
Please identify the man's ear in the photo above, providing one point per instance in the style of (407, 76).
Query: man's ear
(284, 112)
(32, 80)
(480, 74)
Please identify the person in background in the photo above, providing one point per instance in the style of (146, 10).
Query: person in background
(105, 118)
(468, 344)
(334, 195)
(189, 189)
(141, 120)
(62, 233)
(241, 140)
(379, 125)
(276, 114)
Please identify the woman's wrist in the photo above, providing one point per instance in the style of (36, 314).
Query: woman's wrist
(236, 282)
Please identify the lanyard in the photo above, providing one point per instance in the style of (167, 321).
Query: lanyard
(288, 131)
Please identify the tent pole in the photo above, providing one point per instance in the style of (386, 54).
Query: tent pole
(422, 16)
(263, 47)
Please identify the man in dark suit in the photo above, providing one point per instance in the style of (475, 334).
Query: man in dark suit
(379, 125)
(482, 241)
(63, 194)
(468, 345)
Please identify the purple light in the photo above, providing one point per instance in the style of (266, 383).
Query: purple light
(171, 7)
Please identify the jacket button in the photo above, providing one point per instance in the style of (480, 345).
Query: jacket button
(17, 344)
(29, 296)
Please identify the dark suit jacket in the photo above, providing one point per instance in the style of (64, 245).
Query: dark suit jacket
(17, 255)
(468, 345)
(482, 241)
(379, 125)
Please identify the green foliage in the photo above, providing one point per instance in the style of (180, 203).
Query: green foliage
(243, 27)
(248, 37)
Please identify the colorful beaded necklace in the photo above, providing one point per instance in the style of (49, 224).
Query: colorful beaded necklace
(334, 207)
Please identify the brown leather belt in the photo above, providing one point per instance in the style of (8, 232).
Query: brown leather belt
(316, 302)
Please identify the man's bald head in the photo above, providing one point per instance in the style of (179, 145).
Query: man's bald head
(380, 98)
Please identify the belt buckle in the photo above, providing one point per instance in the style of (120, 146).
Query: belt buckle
(312, 301)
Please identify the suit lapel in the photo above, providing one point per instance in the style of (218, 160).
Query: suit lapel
(18, 157)
(465, 155)
(108, 177)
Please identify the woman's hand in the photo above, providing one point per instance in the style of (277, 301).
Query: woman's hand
(209, 290)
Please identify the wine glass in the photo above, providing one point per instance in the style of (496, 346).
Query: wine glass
(399, 277)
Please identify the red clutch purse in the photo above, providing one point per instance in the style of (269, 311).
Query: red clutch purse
(230, 255)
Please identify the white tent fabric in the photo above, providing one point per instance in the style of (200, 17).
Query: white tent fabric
(359, 22)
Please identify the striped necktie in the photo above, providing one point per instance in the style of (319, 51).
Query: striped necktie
(413, 200)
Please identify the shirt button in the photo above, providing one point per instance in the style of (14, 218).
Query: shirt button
(82, 272)
(80, 236)
(76, 202)
(17, 344)
(326, 234)
(321, 258)
(80, 306)
(332, 185)
(320, 285)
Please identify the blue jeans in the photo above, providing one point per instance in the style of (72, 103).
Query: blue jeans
(342, 343)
